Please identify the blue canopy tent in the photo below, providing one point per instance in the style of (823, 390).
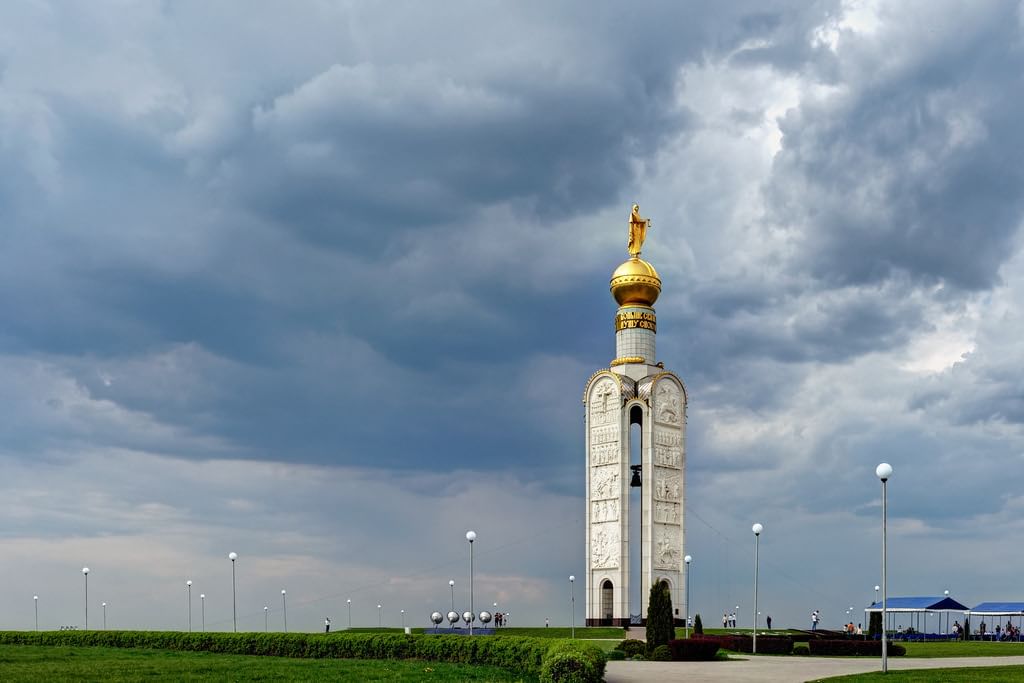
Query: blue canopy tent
(998, 609)
(916, 611)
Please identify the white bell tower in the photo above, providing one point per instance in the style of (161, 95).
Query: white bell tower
(634, 389)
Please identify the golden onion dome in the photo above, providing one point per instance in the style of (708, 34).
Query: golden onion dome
(635, 283)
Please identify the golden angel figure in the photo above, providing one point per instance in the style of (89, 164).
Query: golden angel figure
(637, 231)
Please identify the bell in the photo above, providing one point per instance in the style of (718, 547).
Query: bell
(635, 481)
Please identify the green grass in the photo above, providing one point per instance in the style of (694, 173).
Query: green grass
(59, 664)
(971, 648)
(992, 673)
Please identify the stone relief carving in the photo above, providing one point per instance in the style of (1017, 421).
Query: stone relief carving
(604, 482)
(605, 394)
(604, 546)
(666, 548)
(666, 400)
(668, 485)
(604, 434)
(666, 513)
(604, 454)
(604, 511)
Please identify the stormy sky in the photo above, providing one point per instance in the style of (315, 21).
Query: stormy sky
(322, 283)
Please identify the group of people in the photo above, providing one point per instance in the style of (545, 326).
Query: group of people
(729, 620)
(852, 630)
(1008, 632)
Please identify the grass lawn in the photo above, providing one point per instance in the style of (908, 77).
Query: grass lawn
(59, 664)
(972, 648)
(993, 673)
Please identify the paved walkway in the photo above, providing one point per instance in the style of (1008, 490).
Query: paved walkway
(753, 669)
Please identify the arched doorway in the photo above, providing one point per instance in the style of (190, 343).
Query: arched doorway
(607, 596)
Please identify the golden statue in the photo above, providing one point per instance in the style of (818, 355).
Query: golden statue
(637, 231)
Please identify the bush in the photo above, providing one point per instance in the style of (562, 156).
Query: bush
(616, 656)
(660, 654)
(573, 662)
(801, 650)
(632, 647)
(693, 649)
(853, 648)
(660, 623)
(766, 645)
(514, 653)
(698, 626)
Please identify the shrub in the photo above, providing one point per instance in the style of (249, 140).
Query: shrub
(698, 626)
(616, 656)
(573, 662)
(660, 623)
(693, 649)
(801, 650)
(896, 650)
(632, 647)
(660, 654)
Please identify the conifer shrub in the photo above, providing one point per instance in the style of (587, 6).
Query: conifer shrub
(698, 626)
(660, 622)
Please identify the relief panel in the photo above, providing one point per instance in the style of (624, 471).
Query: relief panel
(604, 546)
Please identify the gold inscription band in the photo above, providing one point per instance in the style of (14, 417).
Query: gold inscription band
(628, 359)
(644, 320)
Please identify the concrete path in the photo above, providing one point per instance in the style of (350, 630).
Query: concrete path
(754, 669)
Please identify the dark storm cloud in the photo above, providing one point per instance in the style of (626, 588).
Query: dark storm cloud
(912, 169)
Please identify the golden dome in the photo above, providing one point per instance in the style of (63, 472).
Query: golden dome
(635, 283)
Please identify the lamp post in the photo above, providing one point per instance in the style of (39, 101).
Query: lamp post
(471, 536)
(85, 572)
(188, 584)
(572, 600)
(757, 529)
(234, 603)
(266, 619)
(495, 614)
(202, 603)
(403, 618)
(687, 560)
(451, 585)
(877, 588)
(349, 601)
(380, 619)
(35, 599)
(883, 472)
(104, 605)
(284, 607)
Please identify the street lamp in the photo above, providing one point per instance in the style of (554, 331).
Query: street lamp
(266, 619)
(572, 600)
(188, 584)
(471, 536)
(284, 606)
(451, 584)
(202, 603)
(687, 560)
(380, 620)
(234, 602)
(85, 572)
(403, 618)
(35, 599)
(883, 472)
(104, 616)
(349, 601)
(877, 588)
(757, 529)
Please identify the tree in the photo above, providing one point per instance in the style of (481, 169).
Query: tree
(660, 624)
(698, 626)
(874, 623)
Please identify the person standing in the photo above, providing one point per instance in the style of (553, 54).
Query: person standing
(725, 620)
(327, 625)
(769, 622)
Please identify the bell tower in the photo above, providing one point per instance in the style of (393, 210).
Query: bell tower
(634, 389)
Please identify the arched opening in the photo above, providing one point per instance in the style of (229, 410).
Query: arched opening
(607, 597)
(637, 597)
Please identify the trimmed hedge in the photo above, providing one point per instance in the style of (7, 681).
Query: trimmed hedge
(766, 645)
(519, 654)
(660, 654)
(853, 648)
(693, 649)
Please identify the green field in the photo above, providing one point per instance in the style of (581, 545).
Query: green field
(991, 674)
(58, 664)
(968, 649)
